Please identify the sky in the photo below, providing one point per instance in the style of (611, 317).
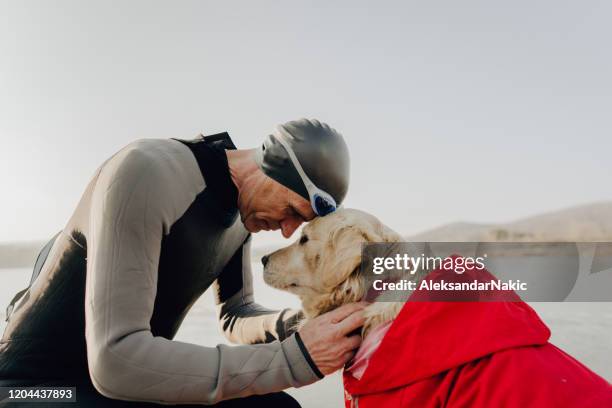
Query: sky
(479, 111)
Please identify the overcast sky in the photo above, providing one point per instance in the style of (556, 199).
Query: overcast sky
(480, 111)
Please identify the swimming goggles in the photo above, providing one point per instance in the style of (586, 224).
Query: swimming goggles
(321, 202)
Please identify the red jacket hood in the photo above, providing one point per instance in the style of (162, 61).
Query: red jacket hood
(428, 338)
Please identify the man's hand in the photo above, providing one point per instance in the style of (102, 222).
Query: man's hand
(327, 338)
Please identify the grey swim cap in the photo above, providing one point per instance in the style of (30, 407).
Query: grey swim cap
(320, 150)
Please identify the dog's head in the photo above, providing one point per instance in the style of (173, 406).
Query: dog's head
(323, 266)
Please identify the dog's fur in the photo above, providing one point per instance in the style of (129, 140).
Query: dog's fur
(323, 266)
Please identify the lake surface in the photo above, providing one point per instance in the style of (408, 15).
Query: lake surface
(200, 325)
(581, 329)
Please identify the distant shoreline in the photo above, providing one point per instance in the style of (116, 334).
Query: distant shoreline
(585, 223)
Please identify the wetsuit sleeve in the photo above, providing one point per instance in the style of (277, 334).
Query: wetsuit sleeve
(242, 320)
(139, 194)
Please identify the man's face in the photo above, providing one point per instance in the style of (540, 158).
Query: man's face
(267, 205)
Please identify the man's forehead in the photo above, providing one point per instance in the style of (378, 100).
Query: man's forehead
(309, 212)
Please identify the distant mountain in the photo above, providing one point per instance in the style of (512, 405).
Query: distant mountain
(592, 222)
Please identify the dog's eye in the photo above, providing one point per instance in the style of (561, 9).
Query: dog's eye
(303, 239)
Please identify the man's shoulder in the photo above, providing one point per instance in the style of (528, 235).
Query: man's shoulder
(160, 172)
(157, 160)
(152, 151)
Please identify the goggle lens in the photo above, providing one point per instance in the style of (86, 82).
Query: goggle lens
(323, 206)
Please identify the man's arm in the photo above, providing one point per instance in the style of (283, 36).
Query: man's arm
(138, 195)
(242, 320)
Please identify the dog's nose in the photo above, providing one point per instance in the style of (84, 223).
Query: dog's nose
(264, 259)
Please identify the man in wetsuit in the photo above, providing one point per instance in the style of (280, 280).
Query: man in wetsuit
(156, 227)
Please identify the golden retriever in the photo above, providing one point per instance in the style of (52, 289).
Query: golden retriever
(323, 266)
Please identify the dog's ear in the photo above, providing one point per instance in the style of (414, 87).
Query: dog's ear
(345, 245)
(343, 255)
(349, 291)
(342, 269)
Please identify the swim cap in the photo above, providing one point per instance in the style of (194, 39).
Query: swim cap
(320, 151)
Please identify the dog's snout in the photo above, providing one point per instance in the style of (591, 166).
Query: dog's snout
(265, 259)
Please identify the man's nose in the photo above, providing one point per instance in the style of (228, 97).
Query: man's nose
(264, 260)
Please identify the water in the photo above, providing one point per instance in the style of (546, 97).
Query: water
(581, 329)
(200, 325)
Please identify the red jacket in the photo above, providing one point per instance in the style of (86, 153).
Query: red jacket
(472, 354)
